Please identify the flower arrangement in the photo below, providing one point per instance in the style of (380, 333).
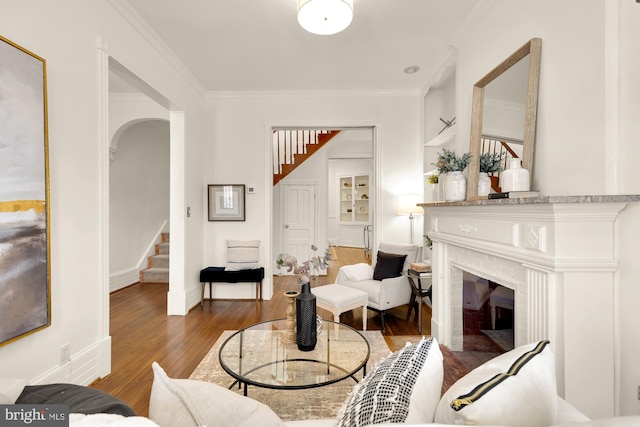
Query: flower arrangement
(314, 264)
(491, 162)
(448, 161)
(432, 179)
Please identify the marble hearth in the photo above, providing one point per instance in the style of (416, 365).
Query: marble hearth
(558, 255)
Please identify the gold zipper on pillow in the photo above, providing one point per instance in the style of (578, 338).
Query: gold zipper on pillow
(485, 387)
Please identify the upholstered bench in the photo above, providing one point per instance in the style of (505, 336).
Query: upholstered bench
(338, 299)
(212, 275)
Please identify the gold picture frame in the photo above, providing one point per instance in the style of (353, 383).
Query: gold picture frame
(25, 249)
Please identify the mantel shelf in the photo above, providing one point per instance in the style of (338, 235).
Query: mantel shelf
(624, 198)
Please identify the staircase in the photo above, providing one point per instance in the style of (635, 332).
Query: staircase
(291, 147)
(157, 270)
(493, 145)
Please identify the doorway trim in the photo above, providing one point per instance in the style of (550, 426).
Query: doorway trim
(269, 127)
(176, 297)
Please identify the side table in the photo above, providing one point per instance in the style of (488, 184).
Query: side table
(417, 293)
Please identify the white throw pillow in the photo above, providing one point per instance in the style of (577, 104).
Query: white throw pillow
(403, 388)
(517, 388)
(181, 402)
(242, 255)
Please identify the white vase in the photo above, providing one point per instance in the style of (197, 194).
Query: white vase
(455, 187)
(441, 179)
(484, 184)
(515, 177)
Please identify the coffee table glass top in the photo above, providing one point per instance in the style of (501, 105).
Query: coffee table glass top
(260, 355)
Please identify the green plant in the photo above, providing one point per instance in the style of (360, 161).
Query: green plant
(491, 162)
(432, 179)
(448, 161)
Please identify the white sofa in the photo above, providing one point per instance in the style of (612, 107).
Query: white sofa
(525, 398)
(406, 385)
(390, 292)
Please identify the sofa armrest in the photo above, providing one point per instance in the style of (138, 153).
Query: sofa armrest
(394, 291)
(568, 413)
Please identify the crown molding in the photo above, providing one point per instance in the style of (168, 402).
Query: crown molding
(263, 94)
(142, 27)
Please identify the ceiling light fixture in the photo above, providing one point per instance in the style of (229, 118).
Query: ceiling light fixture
(325, 17)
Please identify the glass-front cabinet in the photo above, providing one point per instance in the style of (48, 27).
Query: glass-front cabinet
(354, 199)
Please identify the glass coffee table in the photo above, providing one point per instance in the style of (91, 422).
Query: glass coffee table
(260, 355)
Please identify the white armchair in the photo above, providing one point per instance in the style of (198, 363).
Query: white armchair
(389, 292)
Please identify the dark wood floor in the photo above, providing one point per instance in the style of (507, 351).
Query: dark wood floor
(141, 332)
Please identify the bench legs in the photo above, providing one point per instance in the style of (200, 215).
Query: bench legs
(258, 292)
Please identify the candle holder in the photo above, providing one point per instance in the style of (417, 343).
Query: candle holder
(290, 334)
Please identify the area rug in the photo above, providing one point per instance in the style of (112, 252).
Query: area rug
(315, 403)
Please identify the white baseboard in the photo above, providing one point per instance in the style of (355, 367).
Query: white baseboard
(123, 278)
(84, 367)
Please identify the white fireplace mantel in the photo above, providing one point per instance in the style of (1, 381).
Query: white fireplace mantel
(558, 254)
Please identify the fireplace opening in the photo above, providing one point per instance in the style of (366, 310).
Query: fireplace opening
(487, 315)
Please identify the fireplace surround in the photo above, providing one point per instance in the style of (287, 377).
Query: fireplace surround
(558, 254)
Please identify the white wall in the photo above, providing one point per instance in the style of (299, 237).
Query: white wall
(574, 125)
(139, 198)
(77, 160)
(628, 174)
(239, 152)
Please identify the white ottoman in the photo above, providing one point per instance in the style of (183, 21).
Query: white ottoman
(338, 299)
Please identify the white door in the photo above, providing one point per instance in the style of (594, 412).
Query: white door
(298, 220)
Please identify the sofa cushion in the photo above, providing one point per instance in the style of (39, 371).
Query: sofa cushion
(242, 255)
(181, 402)
(403, 388)
(388, 265)
(104, 420)
(517, 388)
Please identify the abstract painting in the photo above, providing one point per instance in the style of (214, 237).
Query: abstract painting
(25, 290)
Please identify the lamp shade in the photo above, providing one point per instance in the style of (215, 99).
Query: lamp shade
(407, 205)
(325, 17)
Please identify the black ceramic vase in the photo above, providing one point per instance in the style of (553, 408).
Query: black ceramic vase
(306, 332)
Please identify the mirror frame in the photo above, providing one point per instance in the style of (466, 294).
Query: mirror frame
(534, 48)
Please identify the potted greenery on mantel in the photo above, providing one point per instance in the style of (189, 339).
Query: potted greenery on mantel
(490, 163)
(455, 183)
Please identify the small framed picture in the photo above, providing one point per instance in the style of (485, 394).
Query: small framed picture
(226, 202)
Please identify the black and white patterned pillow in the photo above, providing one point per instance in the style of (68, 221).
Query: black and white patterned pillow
(385, 394)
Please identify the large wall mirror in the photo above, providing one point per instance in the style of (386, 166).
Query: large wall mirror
(503, 113)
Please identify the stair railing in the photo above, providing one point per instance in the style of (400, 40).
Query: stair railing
(289, 142)
(498, 145)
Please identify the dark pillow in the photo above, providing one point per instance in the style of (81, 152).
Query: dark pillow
(388, 265)
(81, 400)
